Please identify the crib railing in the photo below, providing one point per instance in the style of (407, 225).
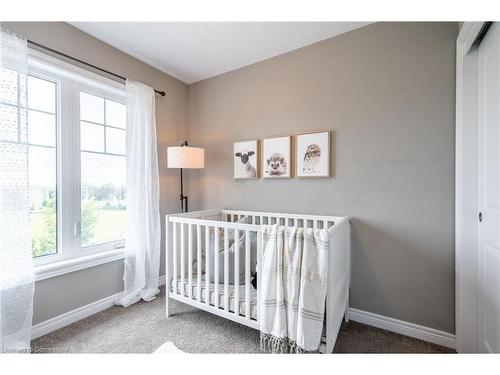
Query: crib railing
(303, 221)
(196, 242)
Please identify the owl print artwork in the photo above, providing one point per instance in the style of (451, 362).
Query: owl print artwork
(311, 159)
(313, 155)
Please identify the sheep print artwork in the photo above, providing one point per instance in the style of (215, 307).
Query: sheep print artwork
(245, 160)
(313, 155)
(276, 157)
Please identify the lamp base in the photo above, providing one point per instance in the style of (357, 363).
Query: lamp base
(184, 203)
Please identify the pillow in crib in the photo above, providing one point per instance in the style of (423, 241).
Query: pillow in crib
(240, 247)
(220, 254)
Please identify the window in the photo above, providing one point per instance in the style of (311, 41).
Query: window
(42, 164)
(77, 167)
(103, 173)
(39, 116)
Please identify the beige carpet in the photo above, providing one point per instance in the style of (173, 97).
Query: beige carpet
(143, 328)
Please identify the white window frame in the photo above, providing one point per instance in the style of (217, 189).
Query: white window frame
(70, 80)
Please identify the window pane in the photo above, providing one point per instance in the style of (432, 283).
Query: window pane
(41, 128)
(8, 93)
(115, 114)
(103, 198)
(115, 141)
(91, 108)
(92, 137)
(42, 177)
(41, 94)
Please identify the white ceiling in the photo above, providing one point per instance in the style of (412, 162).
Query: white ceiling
(193, 51)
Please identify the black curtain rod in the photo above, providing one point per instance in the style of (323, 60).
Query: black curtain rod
(162, 93)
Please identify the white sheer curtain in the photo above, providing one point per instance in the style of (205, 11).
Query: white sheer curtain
(16, 262)
(142, 239)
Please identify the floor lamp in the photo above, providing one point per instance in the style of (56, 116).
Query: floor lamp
(185, 157)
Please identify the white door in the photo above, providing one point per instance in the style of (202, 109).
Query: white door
(489, 192)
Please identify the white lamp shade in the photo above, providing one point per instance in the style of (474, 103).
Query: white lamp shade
(185, 157)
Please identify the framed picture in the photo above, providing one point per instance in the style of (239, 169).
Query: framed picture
(245, 155)
(313, 154)
(276, 157)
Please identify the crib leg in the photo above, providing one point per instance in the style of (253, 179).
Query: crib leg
(167, 303)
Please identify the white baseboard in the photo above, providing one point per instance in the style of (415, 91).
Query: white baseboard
(75, 315)
(404, 328)
(72, 316)
(161, 280)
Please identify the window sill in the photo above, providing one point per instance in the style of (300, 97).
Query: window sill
(47, 271)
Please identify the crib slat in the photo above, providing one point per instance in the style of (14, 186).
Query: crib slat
(198, 262)
(183, 260)
(325, 224)
(190, 261)
(259, 270)
(247, 274)
(226, 270)
(207, 265)
(315, 224)
(174, 257)
(236, 253)
(216, 266)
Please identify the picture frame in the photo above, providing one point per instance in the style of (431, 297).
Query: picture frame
(246, 160)
(277, 157)
(313, 154)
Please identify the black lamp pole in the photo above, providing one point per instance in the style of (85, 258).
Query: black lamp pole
(184, 198)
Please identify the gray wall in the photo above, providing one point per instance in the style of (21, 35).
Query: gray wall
(387, 93)
(64, 293)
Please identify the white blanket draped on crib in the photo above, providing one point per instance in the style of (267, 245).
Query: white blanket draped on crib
(293, 288)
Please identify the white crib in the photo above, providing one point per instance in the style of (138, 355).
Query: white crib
(189, 235)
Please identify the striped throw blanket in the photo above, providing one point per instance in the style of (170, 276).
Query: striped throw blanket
(293, 288)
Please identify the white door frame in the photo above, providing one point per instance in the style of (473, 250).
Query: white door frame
(466, 189)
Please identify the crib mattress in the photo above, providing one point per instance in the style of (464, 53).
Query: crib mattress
(220, 295)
